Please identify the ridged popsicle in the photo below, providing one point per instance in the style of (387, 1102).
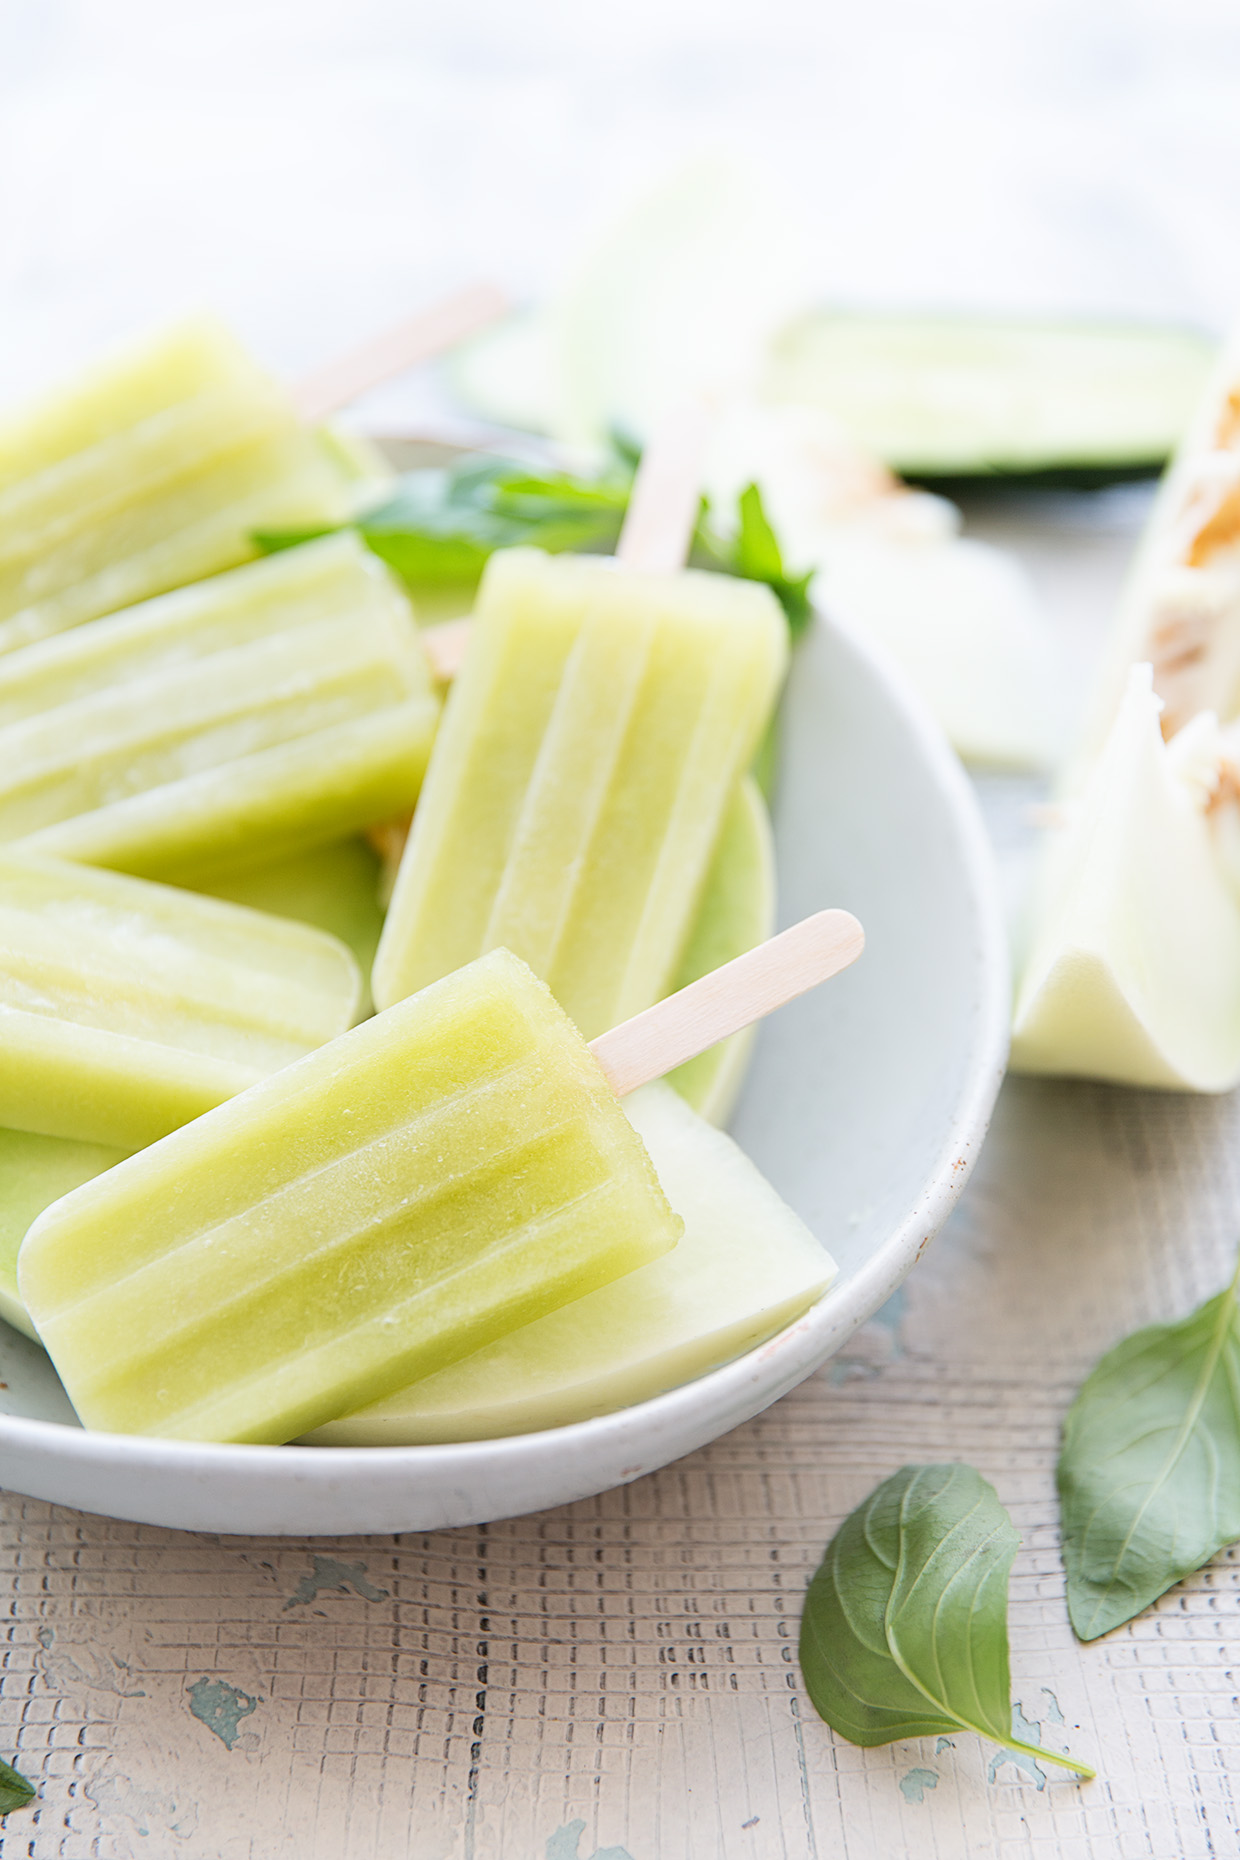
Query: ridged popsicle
(127, 1008)
(745, 1266)
(445, 1172)
(153, 469)
(275, 707)
(588, 750)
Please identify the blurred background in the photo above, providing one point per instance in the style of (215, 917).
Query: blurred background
(313, 169)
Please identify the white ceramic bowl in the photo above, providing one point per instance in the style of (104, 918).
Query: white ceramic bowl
(866, 1104)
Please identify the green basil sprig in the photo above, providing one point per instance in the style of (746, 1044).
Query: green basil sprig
(1149, 1473)
(904, 1632)
(442, 523)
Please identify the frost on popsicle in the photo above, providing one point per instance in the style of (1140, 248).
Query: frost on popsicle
(446, 1172)
(1134, 968)
(151, 470)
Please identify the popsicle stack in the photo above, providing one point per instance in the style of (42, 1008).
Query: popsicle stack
(321, 1217)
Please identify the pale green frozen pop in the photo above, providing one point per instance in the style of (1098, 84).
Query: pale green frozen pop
(590, 745)
(445, 1172)
(276, 707)
(127, 1008)
(154, 469)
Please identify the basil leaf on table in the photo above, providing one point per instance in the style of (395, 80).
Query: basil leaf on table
(904, 1632)
(15, 1790)
(1149, 1472)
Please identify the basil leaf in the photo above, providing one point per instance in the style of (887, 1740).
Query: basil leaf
(904, 1632)
(754, 554)
(15, 1790)
(757, 552)
(1149, 1472)
(443, 522)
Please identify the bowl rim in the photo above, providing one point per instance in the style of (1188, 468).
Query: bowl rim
(736, 1390)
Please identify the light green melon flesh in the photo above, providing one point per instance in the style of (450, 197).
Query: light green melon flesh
(737, 911)
(1134, 967)
(35, 1172)
(745, 1266)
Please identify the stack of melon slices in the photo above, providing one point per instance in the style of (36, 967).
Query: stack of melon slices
(1134, 967)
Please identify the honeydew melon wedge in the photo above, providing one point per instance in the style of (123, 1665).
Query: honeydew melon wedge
(1134, 972)
(961, 620)
(745, 1266)
(737, 911)
(35, 1172)
(1181, 604)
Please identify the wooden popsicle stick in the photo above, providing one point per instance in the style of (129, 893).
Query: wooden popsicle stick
(663, 505)
(402, 347)
(445, 647)
(729, 998)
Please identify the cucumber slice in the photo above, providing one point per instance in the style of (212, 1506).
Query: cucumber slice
(944, 399)
(973, 397)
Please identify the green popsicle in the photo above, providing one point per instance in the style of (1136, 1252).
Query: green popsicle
(736, 913)
(151, 470)
(127, 1008)
(449, 1170)
(276, 707)
(589, 747)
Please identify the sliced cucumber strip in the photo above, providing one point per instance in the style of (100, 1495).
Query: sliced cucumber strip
(965, 397)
